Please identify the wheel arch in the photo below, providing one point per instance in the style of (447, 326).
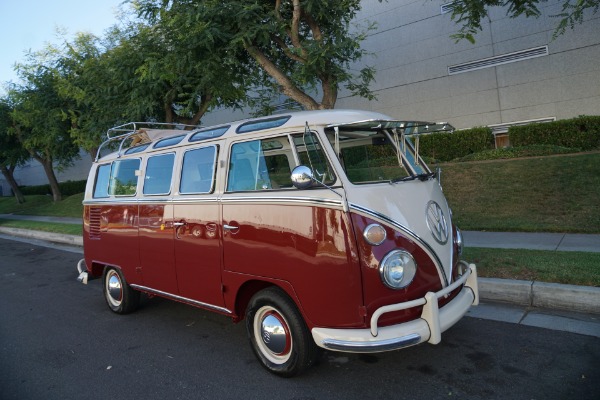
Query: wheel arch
(250, 287)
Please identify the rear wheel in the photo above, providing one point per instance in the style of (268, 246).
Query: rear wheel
(278, 335)
(120, 297)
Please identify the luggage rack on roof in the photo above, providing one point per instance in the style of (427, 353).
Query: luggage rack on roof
(140, 133)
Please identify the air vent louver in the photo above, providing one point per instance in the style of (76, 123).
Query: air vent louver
(499, 60)
(446, 8)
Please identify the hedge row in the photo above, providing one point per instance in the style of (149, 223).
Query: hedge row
(67, 188)
(448, 146)
(582, 132)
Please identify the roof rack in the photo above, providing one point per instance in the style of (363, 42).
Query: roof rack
(140, 133)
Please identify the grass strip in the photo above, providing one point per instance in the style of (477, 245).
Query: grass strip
(54, 227)
(43, 205)
(541, 194)
(568, 267)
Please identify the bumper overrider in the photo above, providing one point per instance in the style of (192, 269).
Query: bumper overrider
(428, 328)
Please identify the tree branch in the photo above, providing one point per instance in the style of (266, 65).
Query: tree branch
(287, 86)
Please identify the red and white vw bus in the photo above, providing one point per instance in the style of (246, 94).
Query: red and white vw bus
(322, 229)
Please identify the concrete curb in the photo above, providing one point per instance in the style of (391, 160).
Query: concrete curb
(73, 240)
(584, 299)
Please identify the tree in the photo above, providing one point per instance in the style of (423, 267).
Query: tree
(295, 47)
(12, 154)
(470, 13)
(40, 117)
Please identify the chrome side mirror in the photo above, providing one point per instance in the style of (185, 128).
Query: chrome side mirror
(302, 177)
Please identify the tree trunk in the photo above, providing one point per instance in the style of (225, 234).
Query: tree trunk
(8, 173)
(93, 152)
(49, 170)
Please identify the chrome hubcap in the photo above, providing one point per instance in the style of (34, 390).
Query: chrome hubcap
(272, 335)
(114, 288)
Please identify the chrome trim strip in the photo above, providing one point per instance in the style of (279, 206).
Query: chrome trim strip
(283, 199)
(374, 346)
(180, 298)
(207, 199)
(412, 235)
(109, 201)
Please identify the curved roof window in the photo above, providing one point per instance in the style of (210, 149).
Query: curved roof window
(261, 124)
(171, 141)
(208, 133)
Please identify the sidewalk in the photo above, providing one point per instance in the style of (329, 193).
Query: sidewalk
(533, 241)
(523, 293)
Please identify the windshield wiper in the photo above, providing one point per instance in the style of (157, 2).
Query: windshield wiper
(422, 177)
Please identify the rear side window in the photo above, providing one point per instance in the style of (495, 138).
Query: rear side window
(102, 179)
(123, 178)
(197, 173)
(159, 172)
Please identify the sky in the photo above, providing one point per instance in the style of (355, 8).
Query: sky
(30, 24)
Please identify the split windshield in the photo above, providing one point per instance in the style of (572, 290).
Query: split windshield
(368, 152)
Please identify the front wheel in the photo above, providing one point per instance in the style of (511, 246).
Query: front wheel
(120, 297)
(278, 335)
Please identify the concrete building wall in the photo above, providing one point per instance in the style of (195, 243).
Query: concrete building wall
(412, 51)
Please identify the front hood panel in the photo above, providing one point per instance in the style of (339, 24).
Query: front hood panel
(418, 209)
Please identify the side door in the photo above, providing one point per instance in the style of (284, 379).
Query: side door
(196, 228)
(155, 225)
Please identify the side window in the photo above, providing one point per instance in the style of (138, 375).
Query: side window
(123, 178)
(260, 165)
(159, 171)
(102, 179)
(312, 155)
(197, 173)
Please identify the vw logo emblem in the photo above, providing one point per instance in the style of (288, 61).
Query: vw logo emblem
(436, 222)
(266, 337)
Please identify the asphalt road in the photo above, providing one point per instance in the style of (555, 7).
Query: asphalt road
(58, 340)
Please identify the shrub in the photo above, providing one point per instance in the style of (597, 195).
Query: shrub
(67, 188)
(582, 132)
(448, 146)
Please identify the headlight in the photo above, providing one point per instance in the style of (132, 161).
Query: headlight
(397, 269)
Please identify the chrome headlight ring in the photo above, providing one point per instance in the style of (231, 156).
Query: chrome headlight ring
(397, 269)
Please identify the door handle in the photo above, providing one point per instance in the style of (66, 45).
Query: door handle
(179, 223)
(230, 227)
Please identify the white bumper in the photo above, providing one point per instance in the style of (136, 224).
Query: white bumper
(428, 328)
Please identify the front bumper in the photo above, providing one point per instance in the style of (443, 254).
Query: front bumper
(428, 328)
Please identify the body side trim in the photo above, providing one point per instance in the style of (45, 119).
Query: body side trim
(182, 299)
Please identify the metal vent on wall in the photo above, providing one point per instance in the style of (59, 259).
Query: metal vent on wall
(499, 60)
(446, 8)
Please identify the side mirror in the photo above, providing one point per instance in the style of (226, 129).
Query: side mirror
(302, 177)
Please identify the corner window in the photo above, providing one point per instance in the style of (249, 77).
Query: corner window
(197, 173)
(123, 178)
(159, 171)
(102, 179)
(260, 165)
